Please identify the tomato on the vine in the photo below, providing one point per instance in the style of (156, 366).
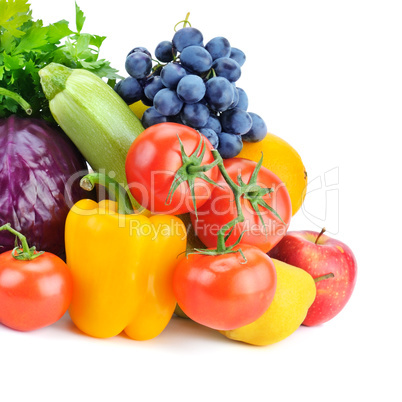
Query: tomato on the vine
(164, 169)
(263, 229)
(225, 291)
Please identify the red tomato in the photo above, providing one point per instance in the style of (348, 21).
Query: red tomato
(223, 291)
(220, 209)
(33, 293)
(152, 162)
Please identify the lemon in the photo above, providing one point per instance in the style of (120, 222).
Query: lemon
(283, 160)
(138, 108)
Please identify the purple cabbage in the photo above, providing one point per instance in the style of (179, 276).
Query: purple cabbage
(40, 169)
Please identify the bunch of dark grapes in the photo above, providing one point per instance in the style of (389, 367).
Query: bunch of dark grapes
(194, 84)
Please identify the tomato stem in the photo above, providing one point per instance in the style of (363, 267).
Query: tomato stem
(194, 169)
(27, 253)
(190, 170)
(237, 192)
(113, 187)
(251, 191)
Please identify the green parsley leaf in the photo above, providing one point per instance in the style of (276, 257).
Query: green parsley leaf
(97, 40)
(34, 39)
(26, 46)
(58, 31)
(13, 14)
(79, 18)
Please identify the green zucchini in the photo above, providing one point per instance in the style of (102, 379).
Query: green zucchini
(97, 120)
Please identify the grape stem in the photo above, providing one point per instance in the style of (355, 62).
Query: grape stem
(210, 74)
(185, 22)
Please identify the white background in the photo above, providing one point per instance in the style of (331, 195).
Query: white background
(326, 77)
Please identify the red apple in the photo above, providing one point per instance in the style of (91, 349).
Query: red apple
(320, 256)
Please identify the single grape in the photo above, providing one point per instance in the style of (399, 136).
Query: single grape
(151, 117)
(219, 93)
(152, 86)
(140, 49)
(235, 97)
(196, 59)
(228, 68)
(165, 52)
(238, 55)
(236, 121)
(243, 99)
(171, 74)
(187, 36)
(213, 123)
(167, 103)
(138, 65)
(117, 85)
(258, 129)
(211, 135)
(218, 47)
(191, 88)
(194, 115)
(130, 90)
(230, 145)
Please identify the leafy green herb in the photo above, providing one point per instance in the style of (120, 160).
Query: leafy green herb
(26, 46)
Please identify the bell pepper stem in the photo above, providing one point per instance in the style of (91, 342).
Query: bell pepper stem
(27, 253)
(114, 188)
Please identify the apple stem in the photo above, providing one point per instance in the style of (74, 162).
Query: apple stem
(321, 278)
(321, 233)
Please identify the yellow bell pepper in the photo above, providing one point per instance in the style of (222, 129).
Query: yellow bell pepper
(122, 266)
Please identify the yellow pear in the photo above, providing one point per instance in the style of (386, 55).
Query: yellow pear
(295, 293)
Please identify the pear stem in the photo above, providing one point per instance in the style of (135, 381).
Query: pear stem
(321, 233)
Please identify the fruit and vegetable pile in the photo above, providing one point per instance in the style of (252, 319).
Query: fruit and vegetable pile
(127, 200)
